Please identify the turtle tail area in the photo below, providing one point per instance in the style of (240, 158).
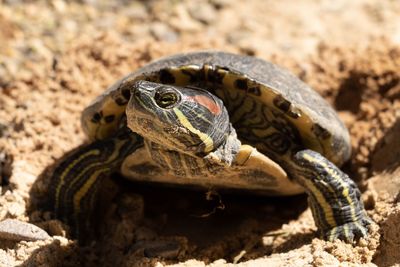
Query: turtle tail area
(334, 198)
(76, 179)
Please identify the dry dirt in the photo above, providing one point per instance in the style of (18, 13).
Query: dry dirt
(56, 56)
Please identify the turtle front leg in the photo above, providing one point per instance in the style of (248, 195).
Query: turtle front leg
(333, 197)
(75, 180)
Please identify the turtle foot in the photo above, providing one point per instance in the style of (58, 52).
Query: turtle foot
(350, 231)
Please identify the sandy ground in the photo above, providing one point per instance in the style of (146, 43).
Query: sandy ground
(55, 57)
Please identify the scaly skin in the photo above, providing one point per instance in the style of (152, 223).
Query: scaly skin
(269, 109)
(75, 181)
(333, 197)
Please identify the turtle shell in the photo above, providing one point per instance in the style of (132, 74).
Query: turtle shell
(270, 108)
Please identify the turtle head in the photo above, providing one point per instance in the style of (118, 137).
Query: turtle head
(185, 119)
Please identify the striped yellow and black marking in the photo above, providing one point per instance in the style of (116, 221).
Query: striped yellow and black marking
(270, 110)
(76, 179)
(261, 116)
(334, 198)
(181, 125)
(183, 165)
(195, 122)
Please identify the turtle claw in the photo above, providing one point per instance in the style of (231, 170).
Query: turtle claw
(350, 231)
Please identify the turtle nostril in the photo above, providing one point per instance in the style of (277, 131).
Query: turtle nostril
(136, 88)
(136, 93)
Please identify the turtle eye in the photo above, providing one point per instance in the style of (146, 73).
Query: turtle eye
(166, 99)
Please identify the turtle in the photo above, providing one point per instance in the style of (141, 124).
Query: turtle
(215, 120)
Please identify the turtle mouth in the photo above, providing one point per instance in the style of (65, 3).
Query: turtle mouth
(145, 125)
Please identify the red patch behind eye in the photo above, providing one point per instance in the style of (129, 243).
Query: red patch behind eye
(207, 102)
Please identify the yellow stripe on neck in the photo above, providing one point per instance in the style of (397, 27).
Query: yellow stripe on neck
(207, 140)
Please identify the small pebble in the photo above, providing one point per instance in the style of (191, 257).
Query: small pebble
(167, 249)
(11, 229)
(163, 32)
(205, 13)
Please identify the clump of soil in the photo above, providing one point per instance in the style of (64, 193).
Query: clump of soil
(45, 86)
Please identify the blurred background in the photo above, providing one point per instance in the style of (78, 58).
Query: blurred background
(36, 30)
(57, 56)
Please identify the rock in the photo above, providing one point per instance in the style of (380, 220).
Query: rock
(167, 249)
(203, 12)
(163, 32)
(182, 21)
(55, 227)
(11, 229)
(136, 11)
